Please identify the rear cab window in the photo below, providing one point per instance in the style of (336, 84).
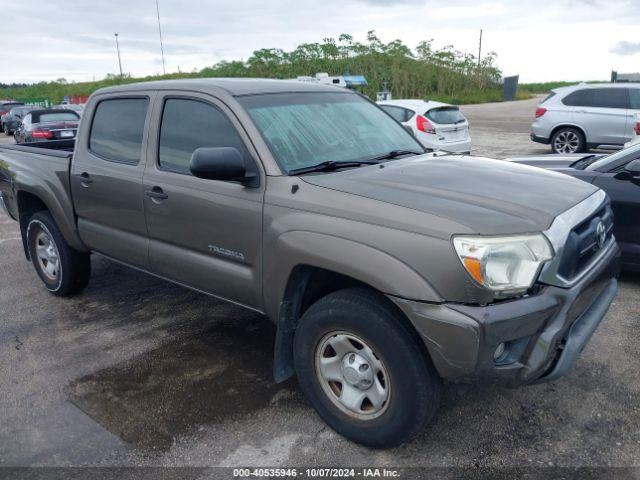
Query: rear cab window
(117, 129)
(445, 115)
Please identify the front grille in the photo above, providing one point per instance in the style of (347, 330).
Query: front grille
(583, 244)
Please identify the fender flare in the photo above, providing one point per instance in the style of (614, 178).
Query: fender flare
(285, 282)
(64, 217)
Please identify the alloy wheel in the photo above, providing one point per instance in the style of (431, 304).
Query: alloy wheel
(566, 142)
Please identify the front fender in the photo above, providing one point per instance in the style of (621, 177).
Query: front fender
(364, 263)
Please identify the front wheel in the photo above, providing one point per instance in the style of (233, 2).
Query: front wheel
(63, 270)
(362, 369)
(568, 140)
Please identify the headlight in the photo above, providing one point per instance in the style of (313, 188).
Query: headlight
(507, 265)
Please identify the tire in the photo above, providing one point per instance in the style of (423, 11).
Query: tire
(359, 316)
(568, 140)
(63, 270)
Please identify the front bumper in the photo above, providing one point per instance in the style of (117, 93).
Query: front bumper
(543, 333)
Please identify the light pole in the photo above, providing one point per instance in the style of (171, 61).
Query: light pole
(160, 32)
(118, 49)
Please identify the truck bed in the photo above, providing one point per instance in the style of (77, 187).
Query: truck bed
(40, 169)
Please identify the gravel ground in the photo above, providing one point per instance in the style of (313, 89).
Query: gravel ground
(138, 372)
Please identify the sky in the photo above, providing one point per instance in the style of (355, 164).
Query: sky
(541, 40)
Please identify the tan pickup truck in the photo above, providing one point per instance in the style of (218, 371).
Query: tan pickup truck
(386, 268)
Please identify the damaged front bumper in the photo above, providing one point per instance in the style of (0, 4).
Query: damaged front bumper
(531, 339)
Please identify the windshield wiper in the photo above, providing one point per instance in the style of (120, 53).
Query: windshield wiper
(394, 154)
(331, 165)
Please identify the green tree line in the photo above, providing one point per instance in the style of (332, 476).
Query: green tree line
(444, 74)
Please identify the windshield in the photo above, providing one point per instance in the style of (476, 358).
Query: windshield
(445, 115)
(59, 117)
(306, 129)
(613, 158)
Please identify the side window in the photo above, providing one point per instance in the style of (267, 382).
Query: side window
(579, 98)
(117, 129)
(398, 113)
(188, 125)
(634, 98)
(610, 98)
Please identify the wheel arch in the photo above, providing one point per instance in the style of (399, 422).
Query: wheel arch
(568, 125)
(306, 285)
(29, 203)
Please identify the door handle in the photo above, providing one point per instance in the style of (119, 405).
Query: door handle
(156, 194)
(85, 179)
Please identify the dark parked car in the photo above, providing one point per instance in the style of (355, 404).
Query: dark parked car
(40, 125)
(617, 174)
(9, 122)
(6, 105)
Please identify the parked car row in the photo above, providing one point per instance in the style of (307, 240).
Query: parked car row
(13, 115)
(577, 118)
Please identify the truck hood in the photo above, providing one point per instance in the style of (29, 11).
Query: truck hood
(487, 196)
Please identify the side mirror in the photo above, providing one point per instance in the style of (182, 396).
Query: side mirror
(633, 167)
(221, 163)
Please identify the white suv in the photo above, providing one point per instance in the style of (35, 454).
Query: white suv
(575, 119)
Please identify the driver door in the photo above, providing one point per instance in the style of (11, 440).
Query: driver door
(206, 234)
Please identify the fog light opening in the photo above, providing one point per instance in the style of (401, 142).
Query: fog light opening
(500, 353)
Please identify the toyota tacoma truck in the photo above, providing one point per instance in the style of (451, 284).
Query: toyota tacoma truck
(386, 268)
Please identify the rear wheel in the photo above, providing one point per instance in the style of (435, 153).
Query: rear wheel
(568, 140)
(63, 270)
(363, 370)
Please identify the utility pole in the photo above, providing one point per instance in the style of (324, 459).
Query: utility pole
(164, 71)
(118, 49)
(480, 49)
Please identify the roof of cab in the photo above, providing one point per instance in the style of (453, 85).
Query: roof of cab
(231, 86)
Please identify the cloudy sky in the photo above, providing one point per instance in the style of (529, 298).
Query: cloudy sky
(541, 40)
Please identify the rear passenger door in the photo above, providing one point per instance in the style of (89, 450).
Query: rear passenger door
(206, 234)
(602, 113)
(106, 178)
